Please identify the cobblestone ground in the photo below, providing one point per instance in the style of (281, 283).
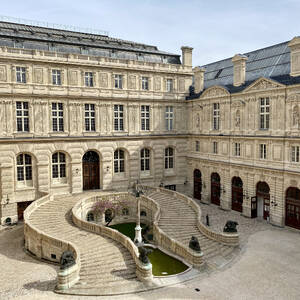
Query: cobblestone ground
(268, 267)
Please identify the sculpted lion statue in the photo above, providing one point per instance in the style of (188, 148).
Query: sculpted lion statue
(144, 252)
(230, 226)
(194, 244)
(67, 260)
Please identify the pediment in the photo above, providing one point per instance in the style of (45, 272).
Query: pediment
(238, 103)
(263, 84)
(214, 91)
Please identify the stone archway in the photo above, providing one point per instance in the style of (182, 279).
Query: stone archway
(292, 207)
(263, 200)
(197, 184)
(215, 188)
(237, 194)
(91, 171)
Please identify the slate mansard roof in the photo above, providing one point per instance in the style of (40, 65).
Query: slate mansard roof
(272, 62)
(49, 39)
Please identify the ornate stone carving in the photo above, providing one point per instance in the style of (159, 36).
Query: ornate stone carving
(295, 116)
(263, 84)
(3, 74)
(197, 120)
(214, 92)
(157, 83)
(103, 80)
(132, 82)
(38, 75)
(73, 77)
(237, 118)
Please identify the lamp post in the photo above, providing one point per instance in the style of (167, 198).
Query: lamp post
(138, 229)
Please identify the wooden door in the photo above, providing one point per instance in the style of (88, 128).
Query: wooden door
(90, 167)
(263, 191)
(215, 188)
(267, 207)
(21, 207)
(237, 194)
(91, 176)
(292, 209)
(197, 184)
(253, 207)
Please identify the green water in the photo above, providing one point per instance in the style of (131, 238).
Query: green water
(127, 229)
(162, 263)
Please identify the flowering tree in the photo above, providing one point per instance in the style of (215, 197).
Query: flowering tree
(109, 207)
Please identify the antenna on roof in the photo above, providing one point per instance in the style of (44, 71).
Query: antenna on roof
(53, 25)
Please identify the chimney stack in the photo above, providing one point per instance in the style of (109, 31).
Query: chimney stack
(187, 56)
(198, 79)
(239, 69)
(294, 45)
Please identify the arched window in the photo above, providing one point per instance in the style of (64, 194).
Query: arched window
(24, 169)
(58, 165)
(169, 158)
(109, 215)
(90, 217)
(143, 213)
(125, 211)
(145, 159)
(119, 161)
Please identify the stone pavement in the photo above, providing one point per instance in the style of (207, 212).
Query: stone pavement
(268, 267)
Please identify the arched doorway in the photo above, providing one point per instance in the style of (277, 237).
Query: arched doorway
(292, 207)
(263, 200)
(90, 166)
(215, 188)
(197, 184)
(237, 194)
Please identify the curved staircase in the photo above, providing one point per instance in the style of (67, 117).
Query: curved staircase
(106, 266)
(178, 221)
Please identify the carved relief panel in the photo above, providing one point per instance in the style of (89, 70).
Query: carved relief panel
(38, 75)
(73, 77)
(3, 73)
(132, 82)
(103, 78)
(157, 83)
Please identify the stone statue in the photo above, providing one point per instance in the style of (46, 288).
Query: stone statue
(230, 226)
(144, 252)
(296, 116)
(237, 118)
(67, 260)
(194, 244)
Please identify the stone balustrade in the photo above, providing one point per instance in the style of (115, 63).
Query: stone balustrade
(41, 244)
(143, 272)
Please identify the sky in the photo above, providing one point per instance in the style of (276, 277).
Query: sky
(215, 29)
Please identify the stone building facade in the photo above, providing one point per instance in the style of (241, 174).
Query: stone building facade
(245, 135)
(81, 111)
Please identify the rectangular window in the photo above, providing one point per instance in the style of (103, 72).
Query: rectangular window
(89, 117)
(237, 149)
(145, 117)
(263, 151)
(21, 74)
(169, 85)
(169, 115)
(171, 187)
(118, 81)
(197, 146)
(215, 147)
(216, 116)
(56, 77)
(57, 117)
(22, 116)
(264, 113)
(118, 117)
(295, 153)
(89, 79)
(145, 83)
